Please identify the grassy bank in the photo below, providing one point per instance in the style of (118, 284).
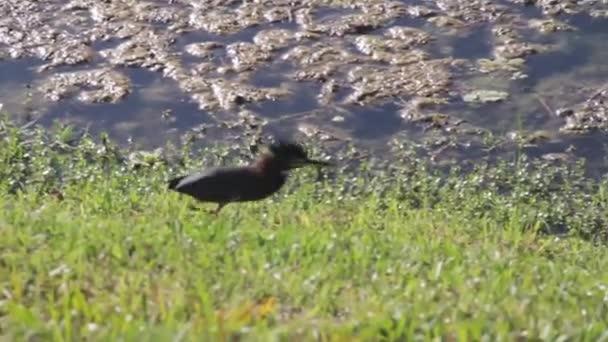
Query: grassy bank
(93, 246)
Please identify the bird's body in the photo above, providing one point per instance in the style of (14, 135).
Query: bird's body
(223, 185)
(229, 184)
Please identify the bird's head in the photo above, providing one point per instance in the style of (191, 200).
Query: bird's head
(287, 155)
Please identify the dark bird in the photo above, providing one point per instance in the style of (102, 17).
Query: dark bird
(223, 185)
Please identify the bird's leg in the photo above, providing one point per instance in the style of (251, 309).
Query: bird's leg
(219, 208)
(216, 211)
(193, 207)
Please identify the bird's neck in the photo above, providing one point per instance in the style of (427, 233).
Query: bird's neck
(269, 166)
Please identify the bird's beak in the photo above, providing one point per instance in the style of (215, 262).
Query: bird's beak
(310, 162)
(317, 162)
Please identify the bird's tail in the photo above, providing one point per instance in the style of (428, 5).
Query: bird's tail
(173, 182)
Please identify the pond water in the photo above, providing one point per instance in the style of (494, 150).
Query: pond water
(373, 73)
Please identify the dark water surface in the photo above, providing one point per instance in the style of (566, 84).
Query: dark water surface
(157, 110)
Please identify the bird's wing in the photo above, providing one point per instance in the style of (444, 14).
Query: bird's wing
(217, 184)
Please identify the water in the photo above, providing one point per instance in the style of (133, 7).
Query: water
(157, 110)
(155, 106)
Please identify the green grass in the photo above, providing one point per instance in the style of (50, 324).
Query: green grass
(374, 254)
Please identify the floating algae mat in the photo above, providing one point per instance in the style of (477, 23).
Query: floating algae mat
(457, 78)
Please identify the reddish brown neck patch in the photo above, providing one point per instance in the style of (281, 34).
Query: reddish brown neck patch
(266, 164)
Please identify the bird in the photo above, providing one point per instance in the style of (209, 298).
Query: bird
(254, 182)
